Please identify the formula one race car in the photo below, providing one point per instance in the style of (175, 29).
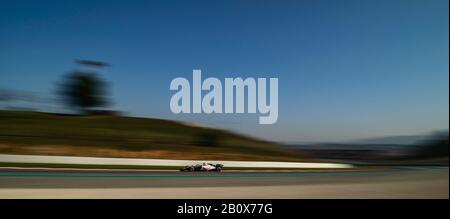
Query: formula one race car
(205, 167)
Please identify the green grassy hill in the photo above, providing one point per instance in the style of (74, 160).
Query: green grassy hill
(119, 136)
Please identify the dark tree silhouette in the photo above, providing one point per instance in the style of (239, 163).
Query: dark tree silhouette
(84, 91)
(208, 140)
(436, 147)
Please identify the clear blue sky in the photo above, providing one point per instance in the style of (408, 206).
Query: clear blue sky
(347, 69)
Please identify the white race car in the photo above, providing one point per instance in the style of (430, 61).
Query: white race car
(205, 167)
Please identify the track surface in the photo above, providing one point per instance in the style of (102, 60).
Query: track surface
(399, 182)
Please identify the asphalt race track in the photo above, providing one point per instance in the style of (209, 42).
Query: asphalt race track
(392, 182)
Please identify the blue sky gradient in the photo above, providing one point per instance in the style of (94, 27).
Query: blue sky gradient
(347, 69)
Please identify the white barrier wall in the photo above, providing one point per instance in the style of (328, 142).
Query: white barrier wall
(6, 158)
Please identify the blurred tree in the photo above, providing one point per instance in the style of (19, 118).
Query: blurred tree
(84, 90)
(436, 147)
(208, 139)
